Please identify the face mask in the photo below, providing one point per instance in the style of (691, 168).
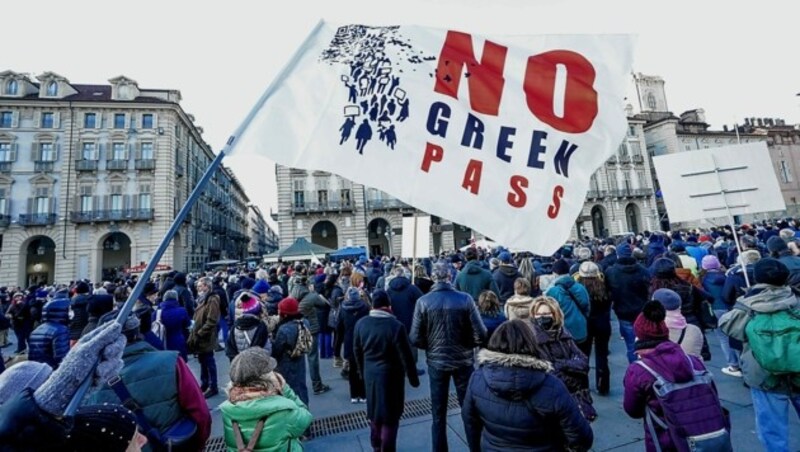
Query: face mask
(545, 322)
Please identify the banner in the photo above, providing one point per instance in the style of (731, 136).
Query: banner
(500, 134)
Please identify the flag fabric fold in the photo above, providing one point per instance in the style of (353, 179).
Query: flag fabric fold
(497, 133)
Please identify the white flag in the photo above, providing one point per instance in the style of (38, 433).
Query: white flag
(500, 134)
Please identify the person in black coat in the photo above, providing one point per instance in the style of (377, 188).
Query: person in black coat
(382, 353)
(80, 317)
(504, 276)
(404, 296)
(514, 403)
(353, 309)
(628, 284)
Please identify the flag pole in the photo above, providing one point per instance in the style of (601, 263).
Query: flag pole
(126, 309)
(730, 219)
(414, 251)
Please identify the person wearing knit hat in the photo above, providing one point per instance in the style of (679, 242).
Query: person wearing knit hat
(780, 250)
(352, 310)
(262, 405)
(716, 283)
(27, 374)
(105, 427)
(688, 336)
(665, 357)
(650, 328)
(261, 287)
(293, 368)
(248, 329)
(624, 250)
(560, 267)
(771, 271)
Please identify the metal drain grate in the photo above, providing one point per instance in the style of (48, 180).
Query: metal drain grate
(347, 422)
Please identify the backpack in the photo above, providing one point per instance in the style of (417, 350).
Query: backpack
(251, 445)
(159, 329)
(305, 340)
(772, 337)
(693, 416)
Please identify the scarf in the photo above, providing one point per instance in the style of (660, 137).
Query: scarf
(242, 394)
(675, 320)
(381, 312)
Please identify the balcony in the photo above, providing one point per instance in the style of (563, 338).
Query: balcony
(624, 158)
(642, 191)
(638, 158)
(631, 192)
(117, 165)
(5, 220)
(44, 167)
(86, 165)
(37, 219)
(594, 194)
(98, 216)
(330, 206)
(612, 161)
(387, 204)
(5, 167)
(145, 164)
(179, 170)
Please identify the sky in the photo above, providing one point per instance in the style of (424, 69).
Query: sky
(734, 59)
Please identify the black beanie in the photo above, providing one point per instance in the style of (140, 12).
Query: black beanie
(102, 427)
(380, 299)
(770, 271)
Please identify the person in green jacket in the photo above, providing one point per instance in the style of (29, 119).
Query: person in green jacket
(473, 279)
(256, 393)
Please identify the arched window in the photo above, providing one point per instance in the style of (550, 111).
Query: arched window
(651, 101)
(52, 88)
(11, 88)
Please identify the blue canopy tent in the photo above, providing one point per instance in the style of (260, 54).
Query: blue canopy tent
(349, 252)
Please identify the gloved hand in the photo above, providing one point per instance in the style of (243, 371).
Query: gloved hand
(106, 343)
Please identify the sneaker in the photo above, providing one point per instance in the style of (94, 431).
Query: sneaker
(322, 389)
(210, 392)
(732, 371)
(362, 400)
(354, 401)
(338, 362)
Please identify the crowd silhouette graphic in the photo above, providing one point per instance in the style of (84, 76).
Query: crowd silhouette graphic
(376, 102)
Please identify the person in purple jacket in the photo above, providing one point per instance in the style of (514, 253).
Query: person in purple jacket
(668, 359)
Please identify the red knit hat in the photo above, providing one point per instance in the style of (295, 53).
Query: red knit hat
(288, 306)
(649, 325)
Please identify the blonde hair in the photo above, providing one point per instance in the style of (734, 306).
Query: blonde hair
(356, 279)
(488, 303)
(522, 286)
(552, 303)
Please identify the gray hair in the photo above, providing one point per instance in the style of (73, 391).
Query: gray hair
(441, 272)
(206, 281)
(750, 257)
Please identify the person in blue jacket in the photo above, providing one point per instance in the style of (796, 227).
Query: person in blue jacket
(49, 342)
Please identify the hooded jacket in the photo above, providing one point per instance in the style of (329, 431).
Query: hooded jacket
(518, 307)
(309, 302)
(762, 298)
(573, 299)
(514, 403)
(504, 277)
(49, 342)
(473, 280)
(352, 311)
(628, 284)
(670, 362)
(403, 296)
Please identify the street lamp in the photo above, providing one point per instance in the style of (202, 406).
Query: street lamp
(388, 235)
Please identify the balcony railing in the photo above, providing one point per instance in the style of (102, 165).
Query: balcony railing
(638, 158)
(86, 165)
(97, 216)
(5, 220)
(5, 167)
(44, 167)
(387, 204)
(145, 164)
(612, 161)
(37, 219)
(330, 206)
(631, 192)
(594, 194)
(624, 158)
(117, 165)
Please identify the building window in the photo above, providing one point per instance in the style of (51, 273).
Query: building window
(118, 151)
(89, 120)
(786, 173)
(345, 197)
(3, 202)
(299, 198)
(623, 150)
(52, 89)
(86, 203)
(47, 120)
(116, 202)
(47, 152)
(147, 150)
(322, 197)
(651, 101)
(145, 201)
(11, 88)
(119, 120)
(6, 117)
(631, 131)
(636, 148)
(88, 152)
(41, 204)
(147, 121)
(5, 152)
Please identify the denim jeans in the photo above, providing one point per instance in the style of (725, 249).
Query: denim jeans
(223, 327)
(439, 380)
(599, 330)
(772, 417)
(208, 370)
(626, 331)
(731, 355)
(313, 363)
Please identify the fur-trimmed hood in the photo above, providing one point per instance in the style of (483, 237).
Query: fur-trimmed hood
(504, 360)
(513, 377)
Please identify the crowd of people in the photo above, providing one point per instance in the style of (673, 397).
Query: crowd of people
(514, 332)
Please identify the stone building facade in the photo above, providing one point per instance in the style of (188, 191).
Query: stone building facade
(91, 177)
